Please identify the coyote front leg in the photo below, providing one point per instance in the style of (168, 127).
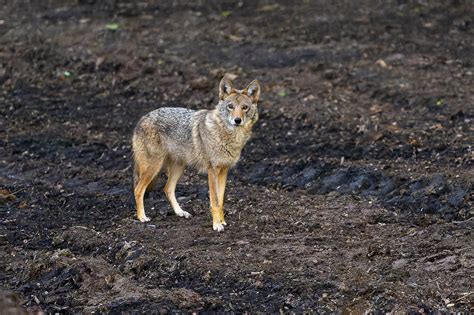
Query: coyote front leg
(221, 183)
(215, 212)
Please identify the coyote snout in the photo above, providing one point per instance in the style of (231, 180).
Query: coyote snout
(208, 140)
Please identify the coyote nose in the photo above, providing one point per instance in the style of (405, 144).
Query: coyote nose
(237, 121)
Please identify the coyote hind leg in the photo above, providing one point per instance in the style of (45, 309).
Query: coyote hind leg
(175, 170)
(145, 173)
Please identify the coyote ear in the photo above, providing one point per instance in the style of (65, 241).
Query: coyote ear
(225, 88)
(253, 91)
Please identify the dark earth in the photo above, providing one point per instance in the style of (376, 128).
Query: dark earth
(355, 193)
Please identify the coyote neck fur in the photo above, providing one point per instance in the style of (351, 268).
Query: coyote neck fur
(221, 142)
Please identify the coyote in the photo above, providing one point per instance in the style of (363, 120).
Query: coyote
(208, 140)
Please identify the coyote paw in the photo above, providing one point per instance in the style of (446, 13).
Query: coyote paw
(183, 213)
(218, 227)
(144, 219)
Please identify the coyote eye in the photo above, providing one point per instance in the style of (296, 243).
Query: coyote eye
(245, 107)
(230, 106)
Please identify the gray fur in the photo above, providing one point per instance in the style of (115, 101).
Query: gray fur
(200, 139)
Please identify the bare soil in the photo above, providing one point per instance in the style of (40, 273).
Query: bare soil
(355, 192)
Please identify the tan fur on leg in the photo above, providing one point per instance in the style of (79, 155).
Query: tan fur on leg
(221, 183)
(175, 170)
(145, 175)
(216, 222)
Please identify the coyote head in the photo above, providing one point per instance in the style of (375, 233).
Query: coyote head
(238, 107)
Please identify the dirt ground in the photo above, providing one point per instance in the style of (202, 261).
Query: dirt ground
(354, 194)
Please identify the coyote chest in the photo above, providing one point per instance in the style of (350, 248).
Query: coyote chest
(217, 145)
(226, 148)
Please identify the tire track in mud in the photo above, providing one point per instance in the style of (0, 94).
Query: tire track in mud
(302, 167)
(429, 194)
